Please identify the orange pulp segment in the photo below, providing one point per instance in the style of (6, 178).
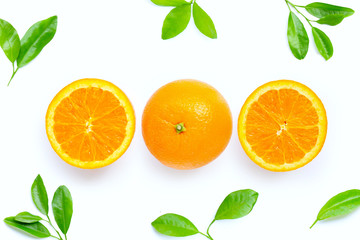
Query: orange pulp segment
(90, 123)
(282, 125)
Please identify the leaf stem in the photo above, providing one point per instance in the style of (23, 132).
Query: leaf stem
(295, 7)
(207, 231)
(49, 221)
(314, 223)
(14, 72)
(287, 4)
(209, 237)
(54, 237)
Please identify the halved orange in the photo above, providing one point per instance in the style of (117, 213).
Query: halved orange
(90, 123)
(282, 125)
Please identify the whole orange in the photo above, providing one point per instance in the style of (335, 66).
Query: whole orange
(186, 124)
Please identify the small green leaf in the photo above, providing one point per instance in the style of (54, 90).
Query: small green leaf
(297, 37)
(323, 43)
(340, 205)
(62, 206)
(26, 217)
(35, 229)
(174, 225)
(170, 3)
(35, 39)
(237, 204)
(9, 40)
(331, 20)
(203, 22)
(176, 21)
(39, 195)
(320, 10)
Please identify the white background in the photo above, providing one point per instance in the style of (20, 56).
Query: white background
(120, 41)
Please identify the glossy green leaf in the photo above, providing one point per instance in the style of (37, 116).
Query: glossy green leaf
(320, 10)
(35, 39)
(323, 43)
(9, 40)
(173, 3)
(39, 195)
(203, 22)
(35, 229)
(331, 20)
(176, 21)
(297, 37)
(62, 206)
(26, 217)
(237, 204)
(174, 225)
(339, 205)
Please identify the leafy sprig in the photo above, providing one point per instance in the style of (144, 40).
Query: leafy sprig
(326, 14)
(179, 17)
(62, 207)
(339, 205)
(28, 48)
(236, 205)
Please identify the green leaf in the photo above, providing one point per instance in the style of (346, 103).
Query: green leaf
(323, 43)
(339, 205)
(320, 10)
(35, 39)
(174, 225)
(9, 40)
(237, 204)
(62, 206)
(35, 229)
(39, 195)
(203, 22)
(297, 37)
(171, 3)
(26, 217)
(331, 20)
(176, 21)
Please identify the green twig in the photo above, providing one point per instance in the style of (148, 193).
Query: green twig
(287, 4)
(300, 6)
(207, 231)
(49, 221)
(314, 223)
(209, 237)
(295, 7)
(14, 72)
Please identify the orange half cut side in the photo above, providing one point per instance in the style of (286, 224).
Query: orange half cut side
(90, 123)
(282, 125)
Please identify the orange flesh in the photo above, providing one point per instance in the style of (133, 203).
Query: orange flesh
(90, 124)
(282, 126)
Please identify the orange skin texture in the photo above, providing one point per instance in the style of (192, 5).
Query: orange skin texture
(205, 115)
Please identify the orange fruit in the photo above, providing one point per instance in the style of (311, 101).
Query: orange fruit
(186, 124)
(90, 123)
(282, 125)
